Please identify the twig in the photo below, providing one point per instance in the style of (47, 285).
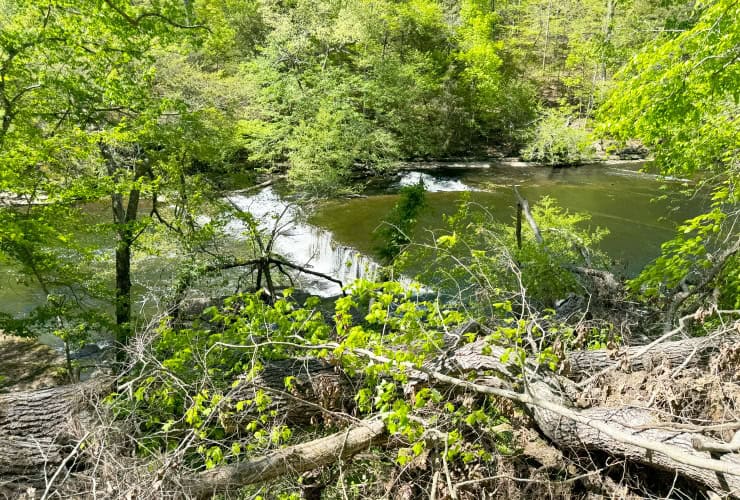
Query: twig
(435, 480)
(61, 466)
(450, 488)
(728, 426)
(700, 444)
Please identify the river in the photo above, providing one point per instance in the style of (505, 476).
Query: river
(639, 210)
(335, 238)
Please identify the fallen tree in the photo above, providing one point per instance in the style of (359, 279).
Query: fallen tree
(301, 395)
(41, 429)
(292, 460)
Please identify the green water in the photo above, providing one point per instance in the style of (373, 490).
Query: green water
(639, 210)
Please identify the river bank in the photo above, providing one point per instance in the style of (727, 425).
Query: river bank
(27, 364)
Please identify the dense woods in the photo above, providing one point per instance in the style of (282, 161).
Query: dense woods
(483, 360)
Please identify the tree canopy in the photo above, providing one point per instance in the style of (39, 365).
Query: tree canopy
(126, 126)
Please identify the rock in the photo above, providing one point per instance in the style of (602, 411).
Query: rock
(87, 351)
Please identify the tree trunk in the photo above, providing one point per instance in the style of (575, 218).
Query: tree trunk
(291, 460)
(124, 219)
(628, 433)
(688, 353)
(38, 429)
(608, 27)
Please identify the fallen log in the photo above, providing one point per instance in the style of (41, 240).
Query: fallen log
(292, 460)
(37, 425)
(39, 428)
(688, 353)
(632, 433)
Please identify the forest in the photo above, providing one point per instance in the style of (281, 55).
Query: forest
(392, 249)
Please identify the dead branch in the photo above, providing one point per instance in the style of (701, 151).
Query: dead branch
(683, 293)
(701, 444)
(262, 265)
(523, 205)
(292, 460)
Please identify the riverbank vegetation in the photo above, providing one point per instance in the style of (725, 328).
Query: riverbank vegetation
(507, 360)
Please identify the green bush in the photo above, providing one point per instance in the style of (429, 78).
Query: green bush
(394, 233)
(559, 139)
(477, 260)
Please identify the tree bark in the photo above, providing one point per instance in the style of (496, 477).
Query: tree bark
(688, 353)
(38, 428)
(291, 460)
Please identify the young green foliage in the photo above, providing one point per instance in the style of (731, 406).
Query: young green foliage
(681, 97)
(395, 232)
(477, 261)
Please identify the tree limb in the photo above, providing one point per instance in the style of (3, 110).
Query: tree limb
(292, 460)
(524, 204)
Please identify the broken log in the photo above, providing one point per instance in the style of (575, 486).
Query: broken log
(291, 460)
(691, 352)
(39, 428)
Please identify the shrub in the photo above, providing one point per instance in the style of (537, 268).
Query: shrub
(559, 139)
(477, 259)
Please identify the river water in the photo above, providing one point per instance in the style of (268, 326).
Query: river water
(639, 210)
(336, 237)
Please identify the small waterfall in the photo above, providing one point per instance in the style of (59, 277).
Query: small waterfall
(303, 244)
(433, 184)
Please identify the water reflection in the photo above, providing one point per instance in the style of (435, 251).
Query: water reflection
(639, 211)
